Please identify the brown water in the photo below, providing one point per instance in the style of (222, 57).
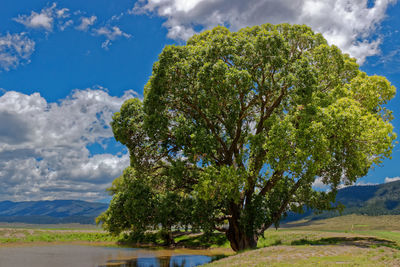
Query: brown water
(96, 256)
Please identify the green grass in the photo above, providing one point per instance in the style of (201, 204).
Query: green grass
(347, 260)
(300, 237)
(310, 255)
(29, 236)
(282, 237)
(378, 237)
(352, 240)
(388, 235)
(349, 223)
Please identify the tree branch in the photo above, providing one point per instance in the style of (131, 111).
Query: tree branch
(271, 109)
(271, 182)
(238, 132)
(281, 209)
(208, 123)
(223, 230)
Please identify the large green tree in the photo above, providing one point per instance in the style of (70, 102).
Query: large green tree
(235, 127)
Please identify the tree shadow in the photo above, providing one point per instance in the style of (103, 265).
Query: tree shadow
(363, 242)
(203, 241)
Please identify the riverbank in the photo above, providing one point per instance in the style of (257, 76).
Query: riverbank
(351, 240)
(279, 247)
(34, 236)
(66, 255)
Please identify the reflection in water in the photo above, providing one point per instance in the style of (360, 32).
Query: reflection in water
(67, 255)
(172, 261)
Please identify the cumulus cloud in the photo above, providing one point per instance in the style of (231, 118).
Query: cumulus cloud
(319, 184)
(44, 146)
(14, 50)
(47, 18)
(111, 33)
(348, 24)
(44, 19)
(86, 22)
(393, 179)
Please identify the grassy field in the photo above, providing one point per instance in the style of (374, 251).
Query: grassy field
(350, 223)
(351, 240)
(17, 235)
(304, 255)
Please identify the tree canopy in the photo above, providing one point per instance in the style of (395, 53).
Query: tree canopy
(235, 127)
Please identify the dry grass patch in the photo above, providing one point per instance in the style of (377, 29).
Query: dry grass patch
(352, 240)
(326, 255)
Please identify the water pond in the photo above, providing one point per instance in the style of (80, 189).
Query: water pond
(99, 256)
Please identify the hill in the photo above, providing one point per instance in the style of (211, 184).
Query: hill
(51, 212)
(372, 200)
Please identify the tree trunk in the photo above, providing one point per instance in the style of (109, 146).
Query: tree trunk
(166, 235)
(238, 238)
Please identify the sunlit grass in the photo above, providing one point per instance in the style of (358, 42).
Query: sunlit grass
(352, 240)
(29, 236)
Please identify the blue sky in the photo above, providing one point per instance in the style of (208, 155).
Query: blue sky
(66, 67)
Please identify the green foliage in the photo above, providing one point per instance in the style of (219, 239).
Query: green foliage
(131, 207)
(236, 126)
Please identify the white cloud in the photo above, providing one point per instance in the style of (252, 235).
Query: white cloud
(111, 33)
(319, 184)
(362, 183)
(393, 179)
(62, 13)
(44, 146)
(106, 44)
(61, 18)
(117, 17)
(44, 19)
(86, 22)
(47, 18)
(350, 25)
(66, 24)
(14, 50)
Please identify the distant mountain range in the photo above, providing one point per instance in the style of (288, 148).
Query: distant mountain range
(51, 212)
(373, 200)
(382, 199)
